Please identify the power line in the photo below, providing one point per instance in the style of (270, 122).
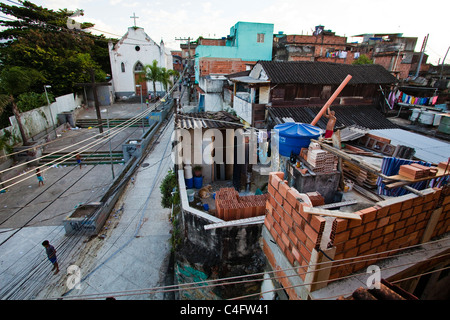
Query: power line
(139, 225)
(112, 132)
(16, 286)
(116, 130)
(213, 283)
(201, 283)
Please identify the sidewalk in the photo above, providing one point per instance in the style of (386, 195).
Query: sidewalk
(136, 250)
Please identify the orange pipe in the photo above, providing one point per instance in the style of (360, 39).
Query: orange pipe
(330, 101)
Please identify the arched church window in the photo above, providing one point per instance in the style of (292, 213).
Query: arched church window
(139, 67)
(122, 66)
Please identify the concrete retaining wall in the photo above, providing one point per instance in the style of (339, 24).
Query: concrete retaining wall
(216, 253)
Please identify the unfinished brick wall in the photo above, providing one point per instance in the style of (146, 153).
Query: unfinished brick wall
(221, 66)
(386, 227)
(212, 42)
(297, 233)
(322, 39)
(389, 225)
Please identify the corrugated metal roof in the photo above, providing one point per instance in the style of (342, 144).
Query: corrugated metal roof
(427, 149)
(207, 120)
(364, 116)
(327, 73)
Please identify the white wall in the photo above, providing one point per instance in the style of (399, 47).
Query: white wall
(213, 102)
(243, 109)
(38, 120)
(125, 51)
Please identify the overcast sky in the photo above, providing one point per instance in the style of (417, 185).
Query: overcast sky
(170, 19)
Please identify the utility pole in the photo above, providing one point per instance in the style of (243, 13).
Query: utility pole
(424, 44)
(442, 65)
(189, 69)
(94, 86)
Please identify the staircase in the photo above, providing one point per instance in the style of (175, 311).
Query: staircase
(86, 123)
(92, 158)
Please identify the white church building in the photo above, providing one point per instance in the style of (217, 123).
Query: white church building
(128, 58)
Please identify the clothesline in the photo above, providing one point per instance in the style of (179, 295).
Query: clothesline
(399, 96)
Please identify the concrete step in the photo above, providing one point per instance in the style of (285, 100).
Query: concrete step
(98, 157)
(86, 123)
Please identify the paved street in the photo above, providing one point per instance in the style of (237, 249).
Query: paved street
(132, 252)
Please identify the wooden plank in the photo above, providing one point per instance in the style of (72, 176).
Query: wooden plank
(362, 164)
(331, 213)
(240, 222)
(431, 225)
(415, 191)
(338, 204)
(440, 173)
(368, 194)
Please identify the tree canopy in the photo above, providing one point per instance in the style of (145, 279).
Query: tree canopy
(48, 42)
(362, 59)
(40, 38)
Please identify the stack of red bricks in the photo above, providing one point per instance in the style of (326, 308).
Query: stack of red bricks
(295, 231)
(321, 160)
(417, 171)
(231, 206)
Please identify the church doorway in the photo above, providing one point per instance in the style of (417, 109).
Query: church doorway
(140, 80)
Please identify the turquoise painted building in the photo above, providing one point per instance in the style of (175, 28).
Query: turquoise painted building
(247, 41)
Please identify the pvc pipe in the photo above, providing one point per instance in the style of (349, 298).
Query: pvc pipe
(330, 101)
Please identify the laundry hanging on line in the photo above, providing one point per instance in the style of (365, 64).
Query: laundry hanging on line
(399, 96)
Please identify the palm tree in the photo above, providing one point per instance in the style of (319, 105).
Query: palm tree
(152, 73)
(166, 77)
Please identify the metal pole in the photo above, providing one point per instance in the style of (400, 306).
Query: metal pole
(330, 101)
(142, 111)
(421, 55)
(442, 65)
(50, 109)
(110, 149)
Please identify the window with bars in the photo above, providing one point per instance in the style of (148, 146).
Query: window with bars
(260, 38)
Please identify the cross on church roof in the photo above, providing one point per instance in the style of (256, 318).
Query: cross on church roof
(134, 18)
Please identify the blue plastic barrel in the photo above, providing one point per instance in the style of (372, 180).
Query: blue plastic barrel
(189, 183)
(294, 136)
(198, 182)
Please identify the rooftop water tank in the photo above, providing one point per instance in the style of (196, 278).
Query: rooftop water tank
(293, 136)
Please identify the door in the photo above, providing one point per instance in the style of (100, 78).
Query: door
(139, 80)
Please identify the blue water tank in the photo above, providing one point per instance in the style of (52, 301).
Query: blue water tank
(293, 136)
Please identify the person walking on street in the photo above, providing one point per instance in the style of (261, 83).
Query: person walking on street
(51, 254)
(78, 157)
(39, 177)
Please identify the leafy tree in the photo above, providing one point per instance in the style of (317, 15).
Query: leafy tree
(13, 82)
(31, 100)
(167, 187)
(41, 39)
(362, 59)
